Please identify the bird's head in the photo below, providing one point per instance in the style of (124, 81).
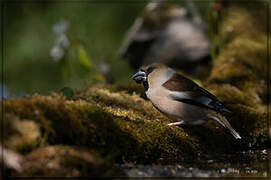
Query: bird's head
(159, 14)
(154, 74)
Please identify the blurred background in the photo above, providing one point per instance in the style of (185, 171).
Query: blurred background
(54, 46)
(48, 46)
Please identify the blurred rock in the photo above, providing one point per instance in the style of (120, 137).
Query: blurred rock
(164, 34)
(11, 161)
(21, 135)
(66, 161)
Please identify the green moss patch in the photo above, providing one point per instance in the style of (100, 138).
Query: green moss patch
(121, 126)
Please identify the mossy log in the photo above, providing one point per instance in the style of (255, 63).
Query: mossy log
(124, 126)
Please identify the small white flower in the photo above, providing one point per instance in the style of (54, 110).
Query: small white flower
(57, 53)
(61, 27)
(63, 40)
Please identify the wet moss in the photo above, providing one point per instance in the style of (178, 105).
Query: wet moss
(240, 71)
(66, 161)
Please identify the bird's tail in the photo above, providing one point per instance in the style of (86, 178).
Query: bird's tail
(224, 122)
(234, 133)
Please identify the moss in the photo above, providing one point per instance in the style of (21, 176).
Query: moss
(245, 53)
(66, 161)
(239, 74)
(243, 20)
(251, 122)
(130, 88)
(21, 134)
(121, 101)
(125, 127)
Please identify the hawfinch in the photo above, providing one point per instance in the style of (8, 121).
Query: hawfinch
(164, 34)
(180, 98)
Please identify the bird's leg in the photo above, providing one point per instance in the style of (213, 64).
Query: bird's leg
(176, 123)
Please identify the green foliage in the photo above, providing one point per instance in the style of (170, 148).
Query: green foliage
(84, 58)
(44, 140)
(67, 92)
(213, 18)
(96, 31)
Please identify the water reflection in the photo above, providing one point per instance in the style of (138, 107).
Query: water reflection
(252, 163)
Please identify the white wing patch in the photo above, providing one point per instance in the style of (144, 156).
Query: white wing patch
(177, 94)
(185, 95)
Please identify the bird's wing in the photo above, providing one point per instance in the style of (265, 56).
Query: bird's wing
(186, 91)
(179, 83)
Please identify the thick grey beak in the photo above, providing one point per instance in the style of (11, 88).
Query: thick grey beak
(139, 76)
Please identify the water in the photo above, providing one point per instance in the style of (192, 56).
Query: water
(252, 163)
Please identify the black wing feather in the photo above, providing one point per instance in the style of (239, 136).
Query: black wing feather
(201, 97)
(195, 94)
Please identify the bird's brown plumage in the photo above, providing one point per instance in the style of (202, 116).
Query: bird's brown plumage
(179, 83)
(181, 99)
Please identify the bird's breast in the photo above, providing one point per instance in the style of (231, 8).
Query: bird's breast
(176, 110)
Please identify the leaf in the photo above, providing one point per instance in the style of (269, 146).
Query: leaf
(67, 92)
(85, 61)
